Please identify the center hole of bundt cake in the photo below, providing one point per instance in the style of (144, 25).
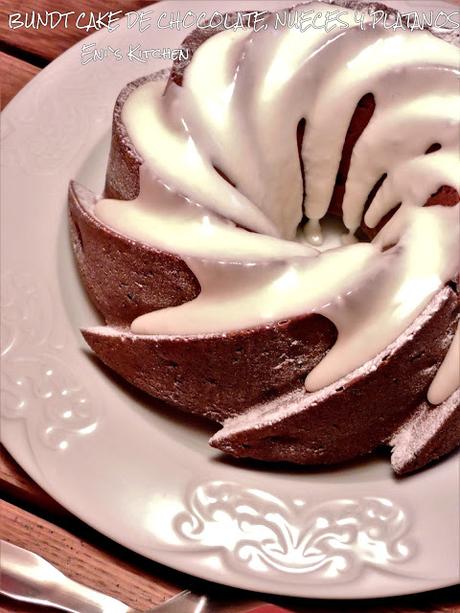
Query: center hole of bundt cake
(333, 232)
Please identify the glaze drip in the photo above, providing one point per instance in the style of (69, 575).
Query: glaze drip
(236, 116)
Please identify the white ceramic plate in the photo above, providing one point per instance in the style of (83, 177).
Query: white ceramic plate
(147, 478)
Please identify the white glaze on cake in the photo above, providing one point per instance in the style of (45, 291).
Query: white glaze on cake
(242, 98)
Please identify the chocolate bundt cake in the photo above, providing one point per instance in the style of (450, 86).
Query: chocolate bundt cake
(205, 253)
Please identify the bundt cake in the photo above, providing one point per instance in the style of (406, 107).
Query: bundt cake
(204, 254)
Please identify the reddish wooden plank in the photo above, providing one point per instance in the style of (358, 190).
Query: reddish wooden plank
(16, 484)
(14, 75)
(47, 43)
(83, 561)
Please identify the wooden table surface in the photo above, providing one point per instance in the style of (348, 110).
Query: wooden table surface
(28, 516)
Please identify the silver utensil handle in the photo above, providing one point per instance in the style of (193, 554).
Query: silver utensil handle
(27, 577)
